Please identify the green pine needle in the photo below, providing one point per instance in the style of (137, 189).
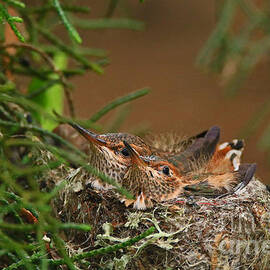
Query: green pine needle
(69, 51)
(109, 23)
(11, 21)
(72, 31)
(118, 102)
(15, 19)
(218, 34)
(101, 251)
(109, 249)
(15, 3)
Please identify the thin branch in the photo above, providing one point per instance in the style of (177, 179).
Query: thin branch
(41, 53)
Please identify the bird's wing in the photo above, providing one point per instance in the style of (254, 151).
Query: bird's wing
(223, 185)
(202, 147)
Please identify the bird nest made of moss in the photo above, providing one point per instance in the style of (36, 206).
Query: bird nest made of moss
(191, 233)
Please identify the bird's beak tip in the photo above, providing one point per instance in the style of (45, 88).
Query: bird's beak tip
(89, 135)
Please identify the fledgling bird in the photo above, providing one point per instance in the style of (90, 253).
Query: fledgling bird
(153, 179)
(107, 152)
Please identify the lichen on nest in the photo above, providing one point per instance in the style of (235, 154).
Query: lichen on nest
(191, 233)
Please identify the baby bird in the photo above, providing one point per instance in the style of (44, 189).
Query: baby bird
(113, 154)
(108, 154)
(150, 178)
(153, 179)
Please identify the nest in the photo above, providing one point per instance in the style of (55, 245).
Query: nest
(191, 233)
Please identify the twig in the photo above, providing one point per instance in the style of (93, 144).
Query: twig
(70, 102)
(42, 54)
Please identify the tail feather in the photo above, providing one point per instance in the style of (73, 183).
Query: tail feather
(245, 174)
(205, 145)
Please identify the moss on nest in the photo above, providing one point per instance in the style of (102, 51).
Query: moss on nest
(191, 233)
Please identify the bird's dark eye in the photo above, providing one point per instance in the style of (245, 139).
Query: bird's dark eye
(125, 152)
(166, 170)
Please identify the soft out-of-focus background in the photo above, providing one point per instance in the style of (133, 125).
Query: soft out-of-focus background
(184, 98)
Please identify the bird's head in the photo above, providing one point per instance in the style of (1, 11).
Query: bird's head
(150, 178)
(108, 152)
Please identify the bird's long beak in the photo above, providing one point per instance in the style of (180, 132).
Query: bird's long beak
(89, 135)
(135, 158)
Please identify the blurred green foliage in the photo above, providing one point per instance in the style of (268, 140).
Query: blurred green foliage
(239, 42)
(27, 146)
(53, 98)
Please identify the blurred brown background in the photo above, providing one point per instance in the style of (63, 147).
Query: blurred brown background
(183, 98)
